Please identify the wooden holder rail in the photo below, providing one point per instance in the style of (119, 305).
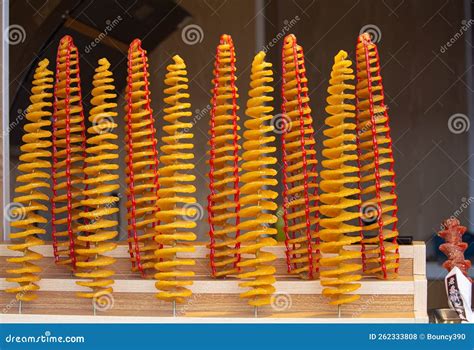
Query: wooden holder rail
(296, 300)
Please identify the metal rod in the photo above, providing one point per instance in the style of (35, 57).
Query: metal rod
(19, 307)
(174, 308)
(93, 306)
(255, 311)
(339, 311)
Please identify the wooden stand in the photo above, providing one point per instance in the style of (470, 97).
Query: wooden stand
(392, 301)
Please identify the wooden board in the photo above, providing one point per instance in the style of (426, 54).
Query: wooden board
(401, 300)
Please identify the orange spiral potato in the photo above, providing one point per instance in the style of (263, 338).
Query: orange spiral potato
(102, 181)
(223, 205)
(300, 188)
(257, 200)
(69, 151)
(31, 194)
(339, 191)
(176, 203)
(142, 163)
(379, 200)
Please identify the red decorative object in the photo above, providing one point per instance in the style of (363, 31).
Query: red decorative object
(68, 154)
(376, 165)
(142, 163)
(223, 212)
(300, 188)
(454, 247)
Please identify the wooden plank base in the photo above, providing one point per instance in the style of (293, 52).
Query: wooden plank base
(133, 300)
(207, 305)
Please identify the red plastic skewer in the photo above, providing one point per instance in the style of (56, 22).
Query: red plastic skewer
(390, 154)
(366, 42)
(302, 93)
(224, 39)
(70, 47)
(134, 249)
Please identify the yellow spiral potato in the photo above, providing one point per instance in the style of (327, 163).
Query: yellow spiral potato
(177, 208)
(69, 152)
(31, 193)
(257, 200)
(102, 181)
(339, 191)
(375, 146)
(224, 178)
(142, 163)
(301, 195)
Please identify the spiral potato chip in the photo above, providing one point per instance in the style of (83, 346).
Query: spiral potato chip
(142, 163)
(177, 207)
(223, 201)
(31, 193)
(69, 145)
(257, 200)
(300, 198)
(379, 200)
(102, 181)
(340, 211)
